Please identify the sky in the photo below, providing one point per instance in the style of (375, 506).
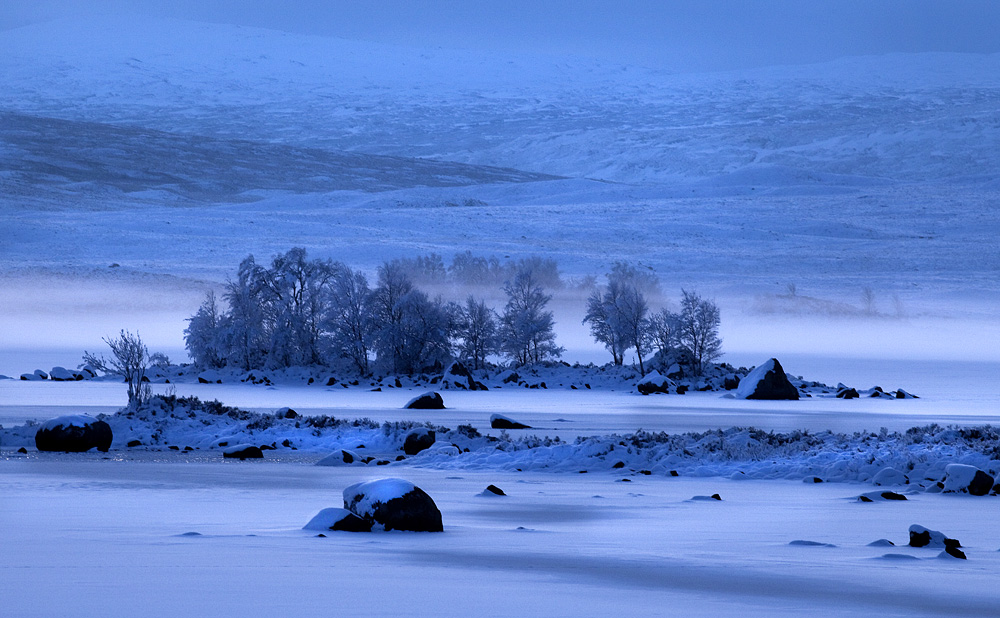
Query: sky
(677, 34)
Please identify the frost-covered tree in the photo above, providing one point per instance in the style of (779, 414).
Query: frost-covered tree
(664, 331)
(129, 359)
(699, 330)
(411, 331)
(618, 314)
(202, 337)
(243, 329)
(526, 327)
(349, 320)
(602, 315)
(476, 332)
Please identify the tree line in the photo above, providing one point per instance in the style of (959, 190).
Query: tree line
(300, 312)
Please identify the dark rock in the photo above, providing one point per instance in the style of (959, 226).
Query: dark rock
(654, 383)
(286, 413)
(417, 440)
(133, 443)
(901, 394)
(498, 421)
(332, 381)
(393, 504)
(618, 464)
(457, 376)
(174, 447)
(848, 393)
(716, 497)
(428, 401)
(962, 478)
(922, 537)
(285, 443)
(955, 552)
(682, 388)
(891, 495)
(767, 381)
(646, 472)
(493, 489)
(731, 382)
(400, 457)
(812, 479)
(74, 434)
(382, 462)
(242, 452)
(674, 473)
(22, 450)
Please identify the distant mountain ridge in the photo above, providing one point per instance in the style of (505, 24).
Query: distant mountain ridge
(900, 118)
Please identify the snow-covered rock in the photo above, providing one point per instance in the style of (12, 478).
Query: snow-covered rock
(337, 519)
(923, 537)
(343, 457)
(499, 421)
(430, 400)
(890, 477)
(457, 376)
(74, 434)
(37, 374)
(243, 451)
(393, 504)
(210, 376)
(961, 478)
(768, 381)
(878, 496)
(61, 374)
(654, 382)
(417, 440)
(492, 491)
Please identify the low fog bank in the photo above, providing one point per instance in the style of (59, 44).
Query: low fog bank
(50, 320)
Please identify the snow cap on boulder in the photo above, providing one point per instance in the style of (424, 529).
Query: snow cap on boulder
(393, 504)
(960, 478)
(654, 382)
(417, 440)
(890, 476)
(430, 400)
(499, 421)
(457, 376)
(768, 381)
(75, 433)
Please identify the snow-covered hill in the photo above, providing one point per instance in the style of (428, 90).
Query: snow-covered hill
(902, 117)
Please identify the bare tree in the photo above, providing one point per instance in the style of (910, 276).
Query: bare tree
(526, 327)
(699, 330)
(129, 359)
(476, 327)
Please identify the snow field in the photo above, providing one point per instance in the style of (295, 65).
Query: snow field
(106, 537)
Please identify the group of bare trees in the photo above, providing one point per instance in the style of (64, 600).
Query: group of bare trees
(300, 311)
(619, 317)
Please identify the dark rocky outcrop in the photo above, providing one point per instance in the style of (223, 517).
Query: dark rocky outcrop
(430, 400)
(498, 421)
(74, 434)
(767, 381)
(243, 451)
(654, 382)
(393, 504)
(417, 440)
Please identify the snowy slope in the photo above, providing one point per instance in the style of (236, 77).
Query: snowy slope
(909, 117)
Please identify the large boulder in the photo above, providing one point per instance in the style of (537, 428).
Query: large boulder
(61, 374)
(499, 421)
(417, 440)
(457, 376)
(74, 434)
(430, 400)
(243, 451)
(960, 478)
(923, 537)
(768, 381)
(654, 382)
(393, 504)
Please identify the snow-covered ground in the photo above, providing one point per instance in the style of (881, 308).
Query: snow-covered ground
(140, 161)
